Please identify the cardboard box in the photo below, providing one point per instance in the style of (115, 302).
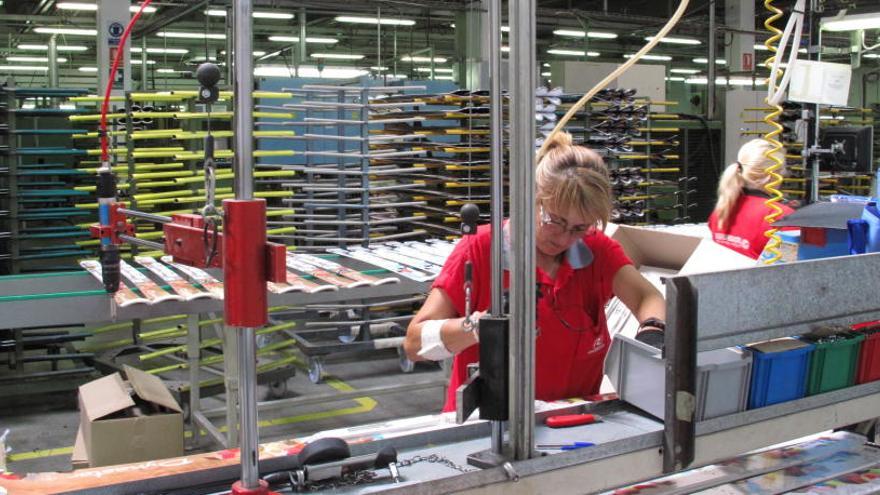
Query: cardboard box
(132, 421)
(663, 253)
(684, 254)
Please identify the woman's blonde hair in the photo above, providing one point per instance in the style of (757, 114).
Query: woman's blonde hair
(749, 171)
(573, 177)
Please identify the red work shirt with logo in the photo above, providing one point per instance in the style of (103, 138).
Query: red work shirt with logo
(745, 228)
(572, 330)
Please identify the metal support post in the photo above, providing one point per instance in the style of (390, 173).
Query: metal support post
(53, 61)
(711, 73)
(680, 352)
(144, 66)
(522, 227)
(247, 375)
(192, 355)
(230, 369)
(497, 194)
(243, 185)
(301, 52)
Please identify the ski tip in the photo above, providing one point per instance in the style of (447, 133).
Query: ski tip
(169, 297)
(131, 302)
(360, 283)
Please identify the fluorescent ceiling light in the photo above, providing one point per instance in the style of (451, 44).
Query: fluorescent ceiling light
(378, 68)
(18, 58)
(137, 61)
(444, 78)
(166, 70)
(338, 56)
(445, 70)
(545, 64)
(273, 15)
(676, 41)
(88, 69)
(256, 15)
(576, 33)
(437, 60)
(660, 58)
(704, 60)
(546, 74)
(309, 71)
(505, 48)
(68, 31)
(93, 7)
(60, 48)
(675, 79)
(176, 51)
(759, 47)
(574, 53)
(190, 36)
(351, 19)
(850, 22)
(67, 106)
(871, 55)
(256, 53)
(309, 39)
(685, 71)
(23, 68)
(505, 29)
(734, 81)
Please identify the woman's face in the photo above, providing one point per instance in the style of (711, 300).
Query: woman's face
(558, 231)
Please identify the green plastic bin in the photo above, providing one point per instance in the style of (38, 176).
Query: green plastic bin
(834, 361)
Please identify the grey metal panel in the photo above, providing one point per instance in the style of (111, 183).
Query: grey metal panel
(62, 282)
(761, 303)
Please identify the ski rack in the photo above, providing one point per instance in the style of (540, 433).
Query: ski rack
(336, 166)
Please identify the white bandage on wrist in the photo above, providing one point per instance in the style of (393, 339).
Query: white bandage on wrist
(432, 344)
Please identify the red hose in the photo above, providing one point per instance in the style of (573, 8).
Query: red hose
(105, 154)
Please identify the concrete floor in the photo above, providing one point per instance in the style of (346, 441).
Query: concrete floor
(43, 428)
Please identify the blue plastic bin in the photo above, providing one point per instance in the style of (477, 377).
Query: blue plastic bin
(779, 371)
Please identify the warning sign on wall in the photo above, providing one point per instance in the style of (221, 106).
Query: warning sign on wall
(748, 61)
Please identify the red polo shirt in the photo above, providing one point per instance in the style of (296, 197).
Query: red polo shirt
(746, 226)
(572, 331)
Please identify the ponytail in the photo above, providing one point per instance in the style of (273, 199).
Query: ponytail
(729, 190)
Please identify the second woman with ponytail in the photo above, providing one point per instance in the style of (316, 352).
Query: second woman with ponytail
(579, 269)
(738, 219)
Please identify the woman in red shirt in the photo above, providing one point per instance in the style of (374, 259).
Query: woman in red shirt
(579, 269)
(738, 219)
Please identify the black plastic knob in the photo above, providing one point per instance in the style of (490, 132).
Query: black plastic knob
(208, 74)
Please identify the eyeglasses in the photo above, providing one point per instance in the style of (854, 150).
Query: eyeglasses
(558, 226)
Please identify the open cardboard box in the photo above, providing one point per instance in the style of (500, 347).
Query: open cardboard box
(123, 422)
(660, 253)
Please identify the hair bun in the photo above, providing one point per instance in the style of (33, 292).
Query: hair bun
(559, 140)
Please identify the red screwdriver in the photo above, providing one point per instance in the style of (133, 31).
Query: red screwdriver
(566, 420)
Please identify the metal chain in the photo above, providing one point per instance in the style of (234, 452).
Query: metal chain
(435, 459)
(348, 479)
(368, 476)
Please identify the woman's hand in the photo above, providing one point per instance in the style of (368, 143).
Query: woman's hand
(639, 295)
(438, 306)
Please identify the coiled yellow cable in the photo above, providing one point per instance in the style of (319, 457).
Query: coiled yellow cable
(773, 154)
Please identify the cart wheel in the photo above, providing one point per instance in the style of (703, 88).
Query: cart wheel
(277, 390)
(316, 370)
(406, 365)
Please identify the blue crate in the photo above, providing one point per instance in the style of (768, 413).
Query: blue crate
(779, 376)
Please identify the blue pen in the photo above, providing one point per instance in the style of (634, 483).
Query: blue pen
(566, 446)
